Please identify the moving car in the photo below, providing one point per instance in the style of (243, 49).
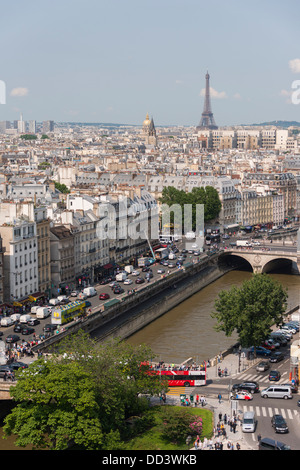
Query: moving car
(271, 444)
(139, 280)
(18, 365)
(104, 296)
(135, 273)
(242, 395)
(127, 281)
(279, 424)
(262, 366)
(252, 387)
(118, 290)
(274, 375)
(276, 357)
(160, 271)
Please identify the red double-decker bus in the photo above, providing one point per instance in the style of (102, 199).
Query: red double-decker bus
(184, 378)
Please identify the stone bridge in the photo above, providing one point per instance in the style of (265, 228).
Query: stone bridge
(264, 261)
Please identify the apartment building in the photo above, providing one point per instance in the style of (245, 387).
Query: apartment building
(62, 259)
(20, 259)
(44, 254)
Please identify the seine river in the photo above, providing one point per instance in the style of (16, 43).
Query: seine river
(188, 330)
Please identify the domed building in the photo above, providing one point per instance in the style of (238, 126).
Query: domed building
(149, 131)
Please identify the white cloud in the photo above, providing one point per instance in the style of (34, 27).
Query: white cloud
(214, 93)
(178, 82)
(287, 95)
(237, 96)
(19, 91)
(295, 65)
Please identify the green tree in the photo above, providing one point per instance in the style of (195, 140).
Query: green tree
(251, 310)
(207, 196)
(62, 188)
(82, 395)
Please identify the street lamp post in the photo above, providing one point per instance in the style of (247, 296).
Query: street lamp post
(240, 351)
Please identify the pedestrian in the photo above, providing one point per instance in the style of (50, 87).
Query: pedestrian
(5, 376)
(238, 447)
(220, 416)
(225, 418)
(220, 397)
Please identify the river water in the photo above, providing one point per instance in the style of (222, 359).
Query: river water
(188, 329)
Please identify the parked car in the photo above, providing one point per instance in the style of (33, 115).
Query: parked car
(294, 387)
(279, 424)
(74, 293)
(33, 322)
(104, 296)
(49, 328)
(18, 328)
(6, 369)
(18, 365)
(289, 328)
(262, 366)
(242, 395)
(260, 351)
(274, 375)
(276, 357)
(252, 387)
(268, 345)
(12, 338)
(27, 330)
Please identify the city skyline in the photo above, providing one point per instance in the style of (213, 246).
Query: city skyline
(112, 62)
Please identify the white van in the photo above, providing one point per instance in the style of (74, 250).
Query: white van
(249, 422)
(120, 277)
(53, 301)
(25, 318)
(6, 321)
(34, 309)
(15, 317)
(277, 391)
(90, 291)
(43, 312)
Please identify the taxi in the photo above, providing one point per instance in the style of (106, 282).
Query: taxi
(241, 395)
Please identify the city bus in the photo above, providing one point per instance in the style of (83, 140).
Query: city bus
(184, 378)
(179, 378)
(67, 313)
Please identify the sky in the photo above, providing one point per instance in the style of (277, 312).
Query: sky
(115, 61)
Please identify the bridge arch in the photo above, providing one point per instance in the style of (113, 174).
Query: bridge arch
(282, 265)
(229, 260)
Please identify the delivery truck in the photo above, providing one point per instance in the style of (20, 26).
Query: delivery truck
(243, 243)
(129, 268)
(120, 277)
(90, 291)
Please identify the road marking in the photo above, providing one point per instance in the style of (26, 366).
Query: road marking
(270, 412)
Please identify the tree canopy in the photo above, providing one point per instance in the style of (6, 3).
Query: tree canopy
(207, 196)
(81, 396)
(251, 310)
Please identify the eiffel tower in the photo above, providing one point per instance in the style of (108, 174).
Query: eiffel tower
(207, 120)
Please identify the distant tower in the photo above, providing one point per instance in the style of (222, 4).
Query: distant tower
(149, 131)
(207, 120)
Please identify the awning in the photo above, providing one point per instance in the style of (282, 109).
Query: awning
(108, 266)
(36, 296)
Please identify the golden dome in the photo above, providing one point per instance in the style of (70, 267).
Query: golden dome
(147, 121)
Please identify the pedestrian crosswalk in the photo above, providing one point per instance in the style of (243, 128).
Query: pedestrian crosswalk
(262, 379)
(268, 411)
